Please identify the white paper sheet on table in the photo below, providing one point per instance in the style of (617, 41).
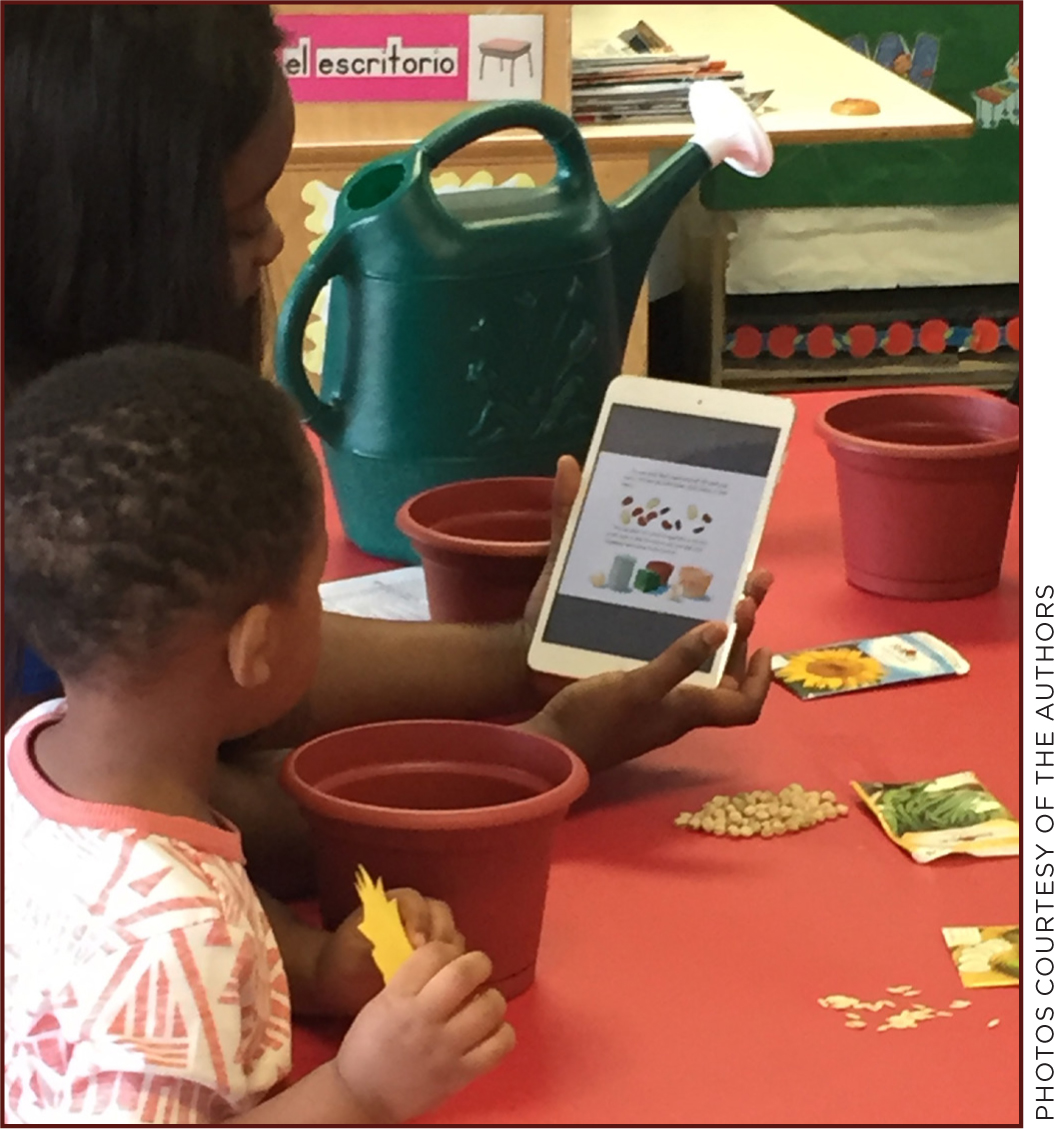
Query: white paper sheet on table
(397, 594)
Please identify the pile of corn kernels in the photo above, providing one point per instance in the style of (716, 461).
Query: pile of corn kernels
(765, 814)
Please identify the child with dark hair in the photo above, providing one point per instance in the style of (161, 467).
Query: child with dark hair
(163, 546)
(140, 143)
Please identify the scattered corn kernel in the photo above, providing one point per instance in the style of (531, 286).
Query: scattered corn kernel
(842, 1003)
(908, 1018)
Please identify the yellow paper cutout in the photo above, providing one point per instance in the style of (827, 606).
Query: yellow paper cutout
(381, 925)
(322, 200)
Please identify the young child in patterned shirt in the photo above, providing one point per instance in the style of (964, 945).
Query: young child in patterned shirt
(163, 547)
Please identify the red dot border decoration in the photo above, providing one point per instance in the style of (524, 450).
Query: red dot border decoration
(821, 342)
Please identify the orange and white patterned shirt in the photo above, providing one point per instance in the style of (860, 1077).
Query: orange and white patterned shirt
(142, 981)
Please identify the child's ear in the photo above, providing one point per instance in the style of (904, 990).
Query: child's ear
(250, 645)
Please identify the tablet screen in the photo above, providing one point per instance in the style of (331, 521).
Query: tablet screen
(663, 531)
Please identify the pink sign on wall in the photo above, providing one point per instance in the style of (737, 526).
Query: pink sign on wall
(377, 58)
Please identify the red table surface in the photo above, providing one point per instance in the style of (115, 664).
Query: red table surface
(679, 973)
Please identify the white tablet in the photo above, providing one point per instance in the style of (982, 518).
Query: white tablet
(663, 533)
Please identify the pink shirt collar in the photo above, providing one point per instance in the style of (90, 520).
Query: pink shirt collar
(224, 840)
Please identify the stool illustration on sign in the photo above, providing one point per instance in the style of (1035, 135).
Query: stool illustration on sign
(502, 49)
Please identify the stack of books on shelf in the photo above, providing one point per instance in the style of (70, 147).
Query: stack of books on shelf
(640, 87)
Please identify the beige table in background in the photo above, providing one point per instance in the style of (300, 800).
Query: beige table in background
(807, 69)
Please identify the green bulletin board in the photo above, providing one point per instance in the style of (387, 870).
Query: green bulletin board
(974, 51)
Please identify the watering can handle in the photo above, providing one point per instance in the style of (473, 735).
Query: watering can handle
(324, 419)
(574, 170)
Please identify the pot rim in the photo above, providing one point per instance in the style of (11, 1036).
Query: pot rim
(424, 537)
(837, 439)
(550, 802)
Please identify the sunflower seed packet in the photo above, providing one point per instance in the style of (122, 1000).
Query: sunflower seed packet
(986, 956)
(866, 664)
(944, 816)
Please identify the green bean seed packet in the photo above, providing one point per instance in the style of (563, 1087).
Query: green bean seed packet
(947, 815)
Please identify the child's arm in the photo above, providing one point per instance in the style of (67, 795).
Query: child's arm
(427, 1035)
(334, 973)
(319, 1098)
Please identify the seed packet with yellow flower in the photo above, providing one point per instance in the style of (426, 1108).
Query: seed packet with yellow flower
(946, 815)
(866, 664)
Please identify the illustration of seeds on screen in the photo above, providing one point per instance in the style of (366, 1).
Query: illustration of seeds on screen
(628, 500)
(652, 503)
(667, 525)
(707, 518)
(677, 526)
(664, 510)
(642, 521)
(700, 529)
(626, 519)
(638, 511)
(693, 512)
(652, 516)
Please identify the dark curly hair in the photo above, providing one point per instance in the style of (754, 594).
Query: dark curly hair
(142, 483)
(119, 120)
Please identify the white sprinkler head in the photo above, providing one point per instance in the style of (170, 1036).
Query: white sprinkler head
(727, 129)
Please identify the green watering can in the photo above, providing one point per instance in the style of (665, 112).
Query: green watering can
(474, 336)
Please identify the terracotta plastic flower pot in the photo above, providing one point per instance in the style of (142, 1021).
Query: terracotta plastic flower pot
(925, 487)
(462, 811)
(482, 544)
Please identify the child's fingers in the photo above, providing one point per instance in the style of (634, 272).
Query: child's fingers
(426, 919)
(421, 967)
(490, 1052)
(477, 1020)
(413, 909)
(454, 983)
(442, 926)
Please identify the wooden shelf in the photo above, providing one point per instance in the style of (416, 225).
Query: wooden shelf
(994, 372)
